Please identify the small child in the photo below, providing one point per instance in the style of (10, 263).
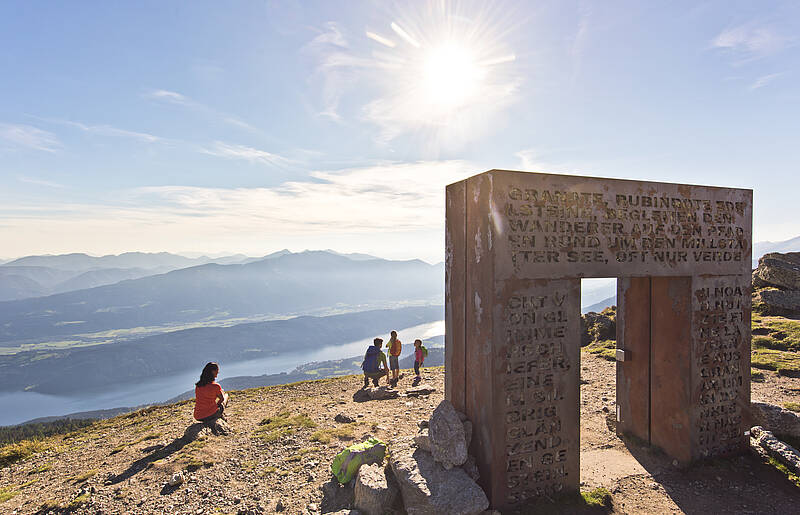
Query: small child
(419, 358)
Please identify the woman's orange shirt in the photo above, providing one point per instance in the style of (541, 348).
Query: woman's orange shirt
(205, 400)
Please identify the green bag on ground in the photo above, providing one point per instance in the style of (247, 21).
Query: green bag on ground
(345, 465)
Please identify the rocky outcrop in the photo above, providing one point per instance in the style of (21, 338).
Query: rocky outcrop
(775, 419)
(775, 448)
(778, 270)
(430, 489)
(374, 492)
(447, 436)
(777, 302)
(597, 327)
(776, 284)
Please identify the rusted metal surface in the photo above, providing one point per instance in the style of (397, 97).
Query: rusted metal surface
(670, 366)
(455, 281)
(720, 375)
(536, 387)
(513, 235)
(478, 300)
(551, 226)
(633, 375)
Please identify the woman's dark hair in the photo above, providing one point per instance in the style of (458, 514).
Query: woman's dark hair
(207, 377)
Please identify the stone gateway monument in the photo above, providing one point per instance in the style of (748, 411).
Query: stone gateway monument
(517, 246)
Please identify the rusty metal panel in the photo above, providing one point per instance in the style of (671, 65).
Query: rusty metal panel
(633, 375)
(455, 282)
(720, 364)
(478, 296)
(670, 366)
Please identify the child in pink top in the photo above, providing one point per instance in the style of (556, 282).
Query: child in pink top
(419, 358)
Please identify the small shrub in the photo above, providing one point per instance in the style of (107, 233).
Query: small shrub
(21, 450)
(7, 493)
(282, 424)
(597, 497)
(606, 349)
(40, 469)
(792, 406)
(85, 476)
(79, 501)
(345, 432)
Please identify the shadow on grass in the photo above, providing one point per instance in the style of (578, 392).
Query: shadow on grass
(190, 435)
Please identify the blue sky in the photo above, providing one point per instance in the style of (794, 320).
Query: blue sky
(253, 126)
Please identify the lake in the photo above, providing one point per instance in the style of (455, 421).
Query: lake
(21, 406)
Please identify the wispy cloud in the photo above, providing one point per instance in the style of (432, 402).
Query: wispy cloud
(40, 182)
(253, 155)
(108, 130)
(369, 204)
(752, 41)
(173, 97)
(15, 137)
(763, 81)
(390, 196)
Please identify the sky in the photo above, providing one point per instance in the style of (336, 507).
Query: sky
(253, 126)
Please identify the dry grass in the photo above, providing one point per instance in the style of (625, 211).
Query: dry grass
(21, 450)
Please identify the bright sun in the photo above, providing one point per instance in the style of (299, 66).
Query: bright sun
(450, 76)
(443, 70)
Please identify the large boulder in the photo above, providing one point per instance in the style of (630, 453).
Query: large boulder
(777, 302)
(374, 492)
(776, 419)
(447, 436)
(430, 489)
(779, 270)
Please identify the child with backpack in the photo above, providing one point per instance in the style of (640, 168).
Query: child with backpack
(420, 353)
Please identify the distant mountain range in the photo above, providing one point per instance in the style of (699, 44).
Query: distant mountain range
(38, 276)
(90, 368)
(765, 247)
(288, 284)
(600, 306)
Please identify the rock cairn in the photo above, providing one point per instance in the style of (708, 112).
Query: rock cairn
(433, 469)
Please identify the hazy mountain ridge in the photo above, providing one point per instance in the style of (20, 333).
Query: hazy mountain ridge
(765, 247)
(68, 272)
(285, 284)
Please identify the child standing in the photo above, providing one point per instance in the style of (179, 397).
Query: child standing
(395, 346)
(419, 358)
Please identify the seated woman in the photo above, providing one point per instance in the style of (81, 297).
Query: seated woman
(209, 399)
